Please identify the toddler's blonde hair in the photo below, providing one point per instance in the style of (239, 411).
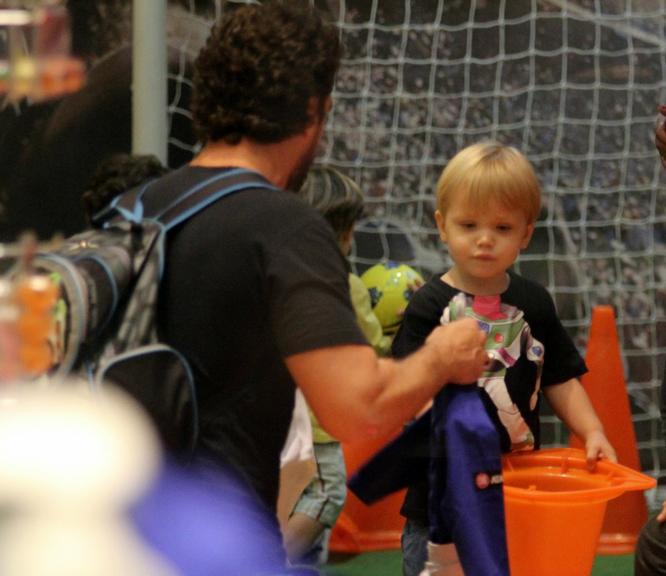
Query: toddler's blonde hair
(489, 170)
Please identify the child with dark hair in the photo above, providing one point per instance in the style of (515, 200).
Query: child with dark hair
(114, 176)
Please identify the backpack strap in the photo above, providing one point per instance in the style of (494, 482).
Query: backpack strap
(176, 206)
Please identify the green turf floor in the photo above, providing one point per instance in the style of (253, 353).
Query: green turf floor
(388, 564)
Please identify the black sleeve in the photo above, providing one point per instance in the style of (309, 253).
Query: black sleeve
(562, 360)
(309, 292)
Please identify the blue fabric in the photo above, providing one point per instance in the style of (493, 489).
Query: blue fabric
(466, 504)
(401, 462)
(206, 523)
(460, 512)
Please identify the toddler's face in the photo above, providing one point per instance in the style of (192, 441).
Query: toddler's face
(483, 241)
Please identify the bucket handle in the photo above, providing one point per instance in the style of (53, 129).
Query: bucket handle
(619, 475)
(629, 478)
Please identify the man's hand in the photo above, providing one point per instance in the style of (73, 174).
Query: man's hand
(597, 446)
(460, 354)
(660, 134)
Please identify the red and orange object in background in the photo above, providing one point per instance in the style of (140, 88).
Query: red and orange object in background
(36, 297)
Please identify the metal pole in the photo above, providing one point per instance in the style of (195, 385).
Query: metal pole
(149, 78)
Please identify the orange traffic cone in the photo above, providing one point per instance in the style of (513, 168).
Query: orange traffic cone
(605, 385)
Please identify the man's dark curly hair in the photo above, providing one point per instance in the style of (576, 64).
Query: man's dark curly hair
(258, 70)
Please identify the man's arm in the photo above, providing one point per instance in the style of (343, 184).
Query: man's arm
(355, 394)
(572, 405)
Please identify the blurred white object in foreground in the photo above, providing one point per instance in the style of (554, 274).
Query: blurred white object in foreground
(70, 465)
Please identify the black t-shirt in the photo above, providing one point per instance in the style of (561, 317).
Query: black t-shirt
(252, 279)
(562, 361)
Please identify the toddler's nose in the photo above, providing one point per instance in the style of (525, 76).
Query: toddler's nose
(484, 239)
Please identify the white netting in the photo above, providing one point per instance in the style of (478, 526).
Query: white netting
(572, 84)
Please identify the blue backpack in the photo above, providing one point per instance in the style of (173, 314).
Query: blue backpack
(109, 278)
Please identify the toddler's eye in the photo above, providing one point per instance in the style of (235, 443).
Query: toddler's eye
(504, 227)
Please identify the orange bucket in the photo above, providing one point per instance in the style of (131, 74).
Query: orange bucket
(554, 509)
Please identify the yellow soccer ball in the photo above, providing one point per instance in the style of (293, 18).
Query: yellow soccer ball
(390, 285)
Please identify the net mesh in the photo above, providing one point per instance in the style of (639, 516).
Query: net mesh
(574, 85)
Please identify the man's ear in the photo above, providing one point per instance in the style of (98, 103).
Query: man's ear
(528, 236)
(441, 226)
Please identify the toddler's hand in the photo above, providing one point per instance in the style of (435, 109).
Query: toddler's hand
(597, 446)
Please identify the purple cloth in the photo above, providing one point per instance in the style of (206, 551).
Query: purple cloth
(204, 523)
(466, 504)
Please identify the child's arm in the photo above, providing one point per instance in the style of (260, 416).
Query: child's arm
(572, 405)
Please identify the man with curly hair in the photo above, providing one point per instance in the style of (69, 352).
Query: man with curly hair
(255, 291)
